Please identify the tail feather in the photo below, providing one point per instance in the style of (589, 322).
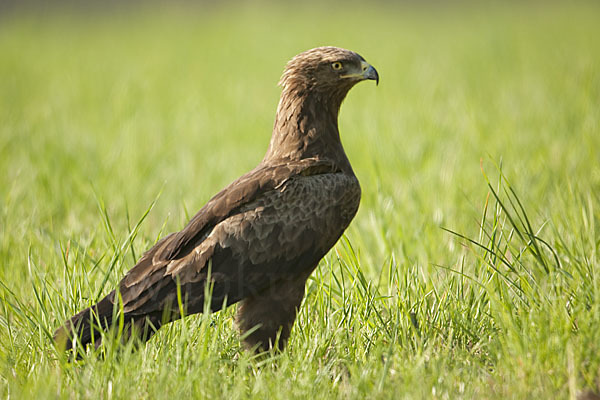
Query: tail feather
(86, 326)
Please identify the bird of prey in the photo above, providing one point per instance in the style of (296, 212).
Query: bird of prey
(256, 241)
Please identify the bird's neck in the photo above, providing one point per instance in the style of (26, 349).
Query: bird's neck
(306, 126)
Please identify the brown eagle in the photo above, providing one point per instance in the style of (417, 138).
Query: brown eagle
(257, 241)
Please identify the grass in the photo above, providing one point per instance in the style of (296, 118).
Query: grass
(471, 270)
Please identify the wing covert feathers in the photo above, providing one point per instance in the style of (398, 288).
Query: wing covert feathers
(271, 223)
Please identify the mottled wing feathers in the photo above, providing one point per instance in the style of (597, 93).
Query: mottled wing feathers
(243, 190)
(275, 216)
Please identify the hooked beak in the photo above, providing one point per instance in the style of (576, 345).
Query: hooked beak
(367, 72)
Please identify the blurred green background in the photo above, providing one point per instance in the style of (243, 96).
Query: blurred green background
(113, 104)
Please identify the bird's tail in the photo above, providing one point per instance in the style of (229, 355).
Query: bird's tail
(86, 327)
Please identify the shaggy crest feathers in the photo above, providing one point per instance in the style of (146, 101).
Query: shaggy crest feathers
(300, 72)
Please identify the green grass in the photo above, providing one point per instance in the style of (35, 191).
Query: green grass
(471, 270)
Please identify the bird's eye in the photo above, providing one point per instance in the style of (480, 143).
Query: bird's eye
(336, 65)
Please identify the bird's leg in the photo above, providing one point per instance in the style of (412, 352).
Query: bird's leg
(265, 320)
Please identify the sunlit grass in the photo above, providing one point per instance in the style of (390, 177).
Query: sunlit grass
(470, 271)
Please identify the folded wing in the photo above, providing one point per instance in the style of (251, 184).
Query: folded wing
(273, 223)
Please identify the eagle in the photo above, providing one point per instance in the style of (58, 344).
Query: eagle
(257, 241)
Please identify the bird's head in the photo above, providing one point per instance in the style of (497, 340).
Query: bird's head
(314, 84)
(329, 71)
